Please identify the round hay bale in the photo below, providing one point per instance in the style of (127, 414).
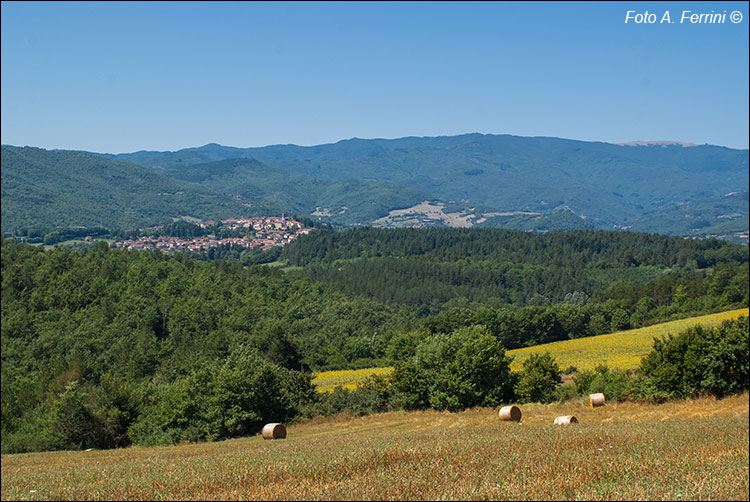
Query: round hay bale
(510, 413)
(567, 419)
(274, 431)
(596, 400)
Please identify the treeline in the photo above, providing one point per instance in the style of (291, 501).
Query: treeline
(44, 189)
(622, 306)
(563, 249)
(434, 267)
(52, 235)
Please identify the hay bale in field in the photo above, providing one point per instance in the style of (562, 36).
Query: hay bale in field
(567, 419)
(596, 400)
(274, 431)
(510, 413)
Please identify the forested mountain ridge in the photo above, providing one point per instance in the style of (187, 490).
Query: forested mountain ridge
(42, 188)
(536, 184)
(61, 188)
(283, 190)
(611, 186)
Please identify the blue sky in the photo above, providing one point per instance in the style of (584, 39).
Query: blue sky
(120, 77)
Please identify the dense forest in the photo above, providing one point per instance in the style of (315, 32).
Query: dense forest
(126, 325)
(105, 347)
(435, 267)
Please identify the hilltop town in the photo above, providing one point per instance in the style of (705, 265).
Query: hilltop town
(263, 233)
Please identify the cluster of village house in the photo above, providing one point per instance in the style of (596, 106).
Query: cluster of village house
(270, 231)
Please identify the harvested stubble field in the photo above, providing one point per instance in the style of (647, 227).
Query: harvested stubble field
(622, 350)
(682, 450)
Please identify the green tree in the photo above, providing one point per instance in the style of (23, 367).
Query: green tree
(247, 392)
(620, 320)
(74, 420)
(539, 379)
(467, 368)
(614, 384)
(700, 359)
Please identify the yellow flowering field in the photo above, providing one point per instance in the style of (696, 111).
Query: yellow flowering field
(326, 381)
(620, 350)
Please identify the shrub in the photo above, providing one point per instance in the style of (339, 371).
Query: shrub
(700, 360)
(373, 395)
(247, 392)
(228, 399)
(614, 384)
(73, 419)
(565, 392)
(539, 379)
(36, 433)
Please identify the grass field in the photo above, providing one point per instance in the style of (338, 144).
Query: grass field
(621, 350)
(682, 450)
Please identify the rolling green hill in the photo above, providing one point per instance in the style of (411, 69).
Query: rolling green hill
(438, 266)
(43, 188)
(107, 347)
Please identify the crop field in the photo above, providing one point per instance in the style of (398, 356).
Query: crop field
(327, 380)
(681, 450)
(621, 350)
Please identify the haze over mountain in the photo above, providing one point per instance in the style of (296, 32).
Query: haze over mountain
(530, 183)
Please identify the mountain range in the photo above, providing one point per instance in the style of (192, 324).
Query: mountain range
(530, 183)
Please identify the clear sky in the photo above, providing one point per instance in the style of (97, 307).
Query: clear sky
(120, 77)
